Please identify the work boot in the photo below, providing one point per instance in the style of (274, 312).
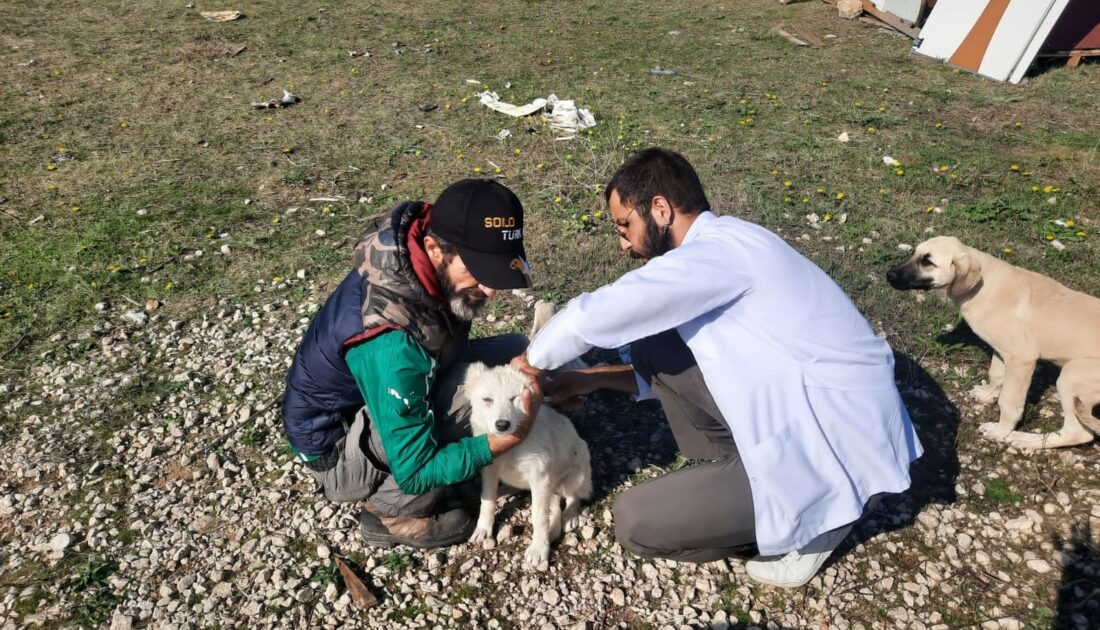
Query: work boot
(438, 530)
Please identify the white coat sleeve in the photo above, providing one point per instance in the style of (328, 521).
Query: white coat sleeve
(668, 291)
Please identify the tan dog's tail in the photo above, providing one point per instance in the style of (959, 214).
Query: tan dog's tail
(544, 311)
(1090, 420)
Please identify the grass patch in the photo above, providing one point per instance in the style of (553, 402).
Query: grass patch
(997, 490)
(399, 561)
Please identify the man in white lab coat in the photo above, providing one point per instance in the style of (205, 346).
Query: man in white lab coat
(764, 368)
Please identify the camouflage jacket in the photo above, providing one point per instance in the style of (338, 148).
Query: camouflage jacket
(382, 292)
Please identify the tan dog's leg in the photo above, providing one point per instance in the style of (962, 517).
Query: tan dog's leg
(489, 480)
(1073, 383)
(1018, 374)
(987, 394)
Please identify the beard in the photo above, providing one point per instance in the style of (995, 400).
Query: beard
(654, 242)
(465, 303)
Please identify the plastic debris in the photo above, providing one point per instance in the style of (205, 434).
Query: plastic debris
(504, 133)
(222, 16)
(843, 137)
(663, 71)
(493, 102)
(889, 161)
(566, 117)
(287, 100)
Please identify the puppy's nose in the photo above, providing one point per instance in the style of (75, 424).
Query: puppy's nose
(502, 425)
(892, 275)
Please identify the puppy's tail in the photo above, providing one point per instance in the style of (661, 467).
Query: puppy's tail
(544, 311)
(1090, 420)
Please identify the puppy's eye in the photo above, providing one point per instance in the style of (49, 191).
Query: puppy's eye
(926, 261)
(515, 398)
(487, 400)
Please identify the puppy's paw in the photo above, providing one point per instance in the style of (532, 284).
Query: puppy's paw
(985, 394)
(994, 431)
(537, 555)
(1027, 441)
(482, 534)
(571, 523)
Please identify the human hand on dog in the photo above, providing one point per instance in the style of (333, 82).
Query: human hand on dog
(566, 389)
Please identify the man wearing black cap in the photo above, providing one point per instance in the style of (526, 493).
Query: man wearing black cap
(373, 403)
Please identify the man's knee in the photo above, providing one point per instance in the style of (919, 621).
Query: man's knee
(628, 517)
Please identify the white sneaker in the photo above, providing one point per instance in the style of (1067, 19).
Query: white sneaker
(797, 567)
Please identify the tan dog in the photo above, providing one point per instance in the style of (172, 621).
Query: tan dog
(1025, 317)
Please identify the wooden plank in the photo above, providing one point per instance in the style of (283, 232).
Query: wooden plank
(891, 20)
(805, 34)
(971, 52)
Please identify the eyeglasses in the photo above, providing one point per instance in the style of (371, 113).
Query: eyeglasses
(620, 226)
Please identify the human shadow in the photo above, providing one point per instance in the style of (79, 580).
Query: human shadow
(1078, 604)
(936, 421)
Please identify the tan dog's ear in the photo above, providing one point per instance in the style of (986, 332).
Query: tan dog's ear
(968, 272)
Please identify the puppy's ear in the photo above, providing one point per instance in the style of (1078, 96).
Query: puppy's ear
(968, 272)
(544, 311)
(474, 373)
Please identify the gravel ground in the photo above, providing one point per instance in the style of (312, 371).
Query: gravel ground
(146, 484)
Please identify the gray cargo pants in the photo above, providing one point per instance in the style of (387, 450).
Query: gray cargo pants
(362, 470)
(700, 513)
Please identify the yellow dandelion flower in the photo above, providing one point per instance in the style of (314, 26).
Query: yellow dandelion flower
(540, 166)
(1048, 188)
(827, 217)
(821, 190)
(1080, 233)
(1019, 124)
(1070, 223)
(899, 171)
(1034, 189)
(568, 156)
(944, 168)
(60, 149)
(881, 108)
(498, 170)
(584, 218)
(598, 214)
(276, 280)
(775, 171)
(123, 124)
(477, 169)
(75, 208)
(1050, 237)
(882, 191)
(557, 199)
(51, 167)
(953, 176)
(326, 210)
(805, 200)
(870, 130)
(840, 196)
(1007, 250)
(94, 284)
(516, 151)
(168, 286)
(275, 220)
(939, 125)
(788, 183)
(858, 103)
(1014, 168)
(446, 105)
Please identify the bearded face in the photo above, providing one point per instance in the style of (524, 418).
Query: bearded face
(465, 303)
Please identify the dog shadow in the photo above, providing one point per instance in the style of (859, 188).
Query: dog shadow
(1046, 373)
(936, 420)
(624, 436)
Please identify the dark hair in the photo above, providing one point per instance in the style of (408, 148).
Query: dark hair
(658, 171)
(446, 247)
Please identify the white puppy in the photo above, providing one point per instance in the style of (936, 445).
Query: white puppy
(553, 461)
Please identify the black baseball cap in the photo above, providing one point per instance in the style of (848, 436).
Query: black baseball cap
(484, 221)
